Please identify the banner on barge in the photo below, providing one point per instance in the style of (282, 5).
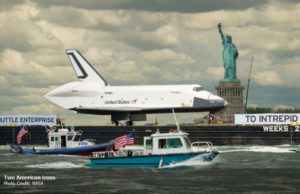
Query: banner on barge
(267, 119)
(18, 120)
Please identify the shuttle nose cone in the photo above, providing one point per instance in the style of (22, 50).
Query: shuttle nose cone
(48, 95)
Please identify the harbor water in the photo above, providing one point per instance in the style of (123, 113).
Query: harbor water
(238, 169)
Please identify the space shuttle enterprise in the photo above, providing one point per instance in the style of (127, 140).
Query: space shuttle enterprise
(93, 95)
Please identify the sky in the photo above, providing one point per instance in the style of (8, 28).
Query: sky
(133, 42)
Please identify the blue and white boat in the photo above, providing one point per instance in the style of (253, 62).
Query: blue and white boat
(66, 142)
(159, 149)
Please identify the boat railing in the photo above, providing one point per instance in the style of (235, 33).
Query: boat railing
(138, 153)
(104, 154)
(205, 146)
(119, 153)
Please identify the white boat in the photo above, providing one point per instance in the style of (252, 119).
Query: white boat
(160, 149)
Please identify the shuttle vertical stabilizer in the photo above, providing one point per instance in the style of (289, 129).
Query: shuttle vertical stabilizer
(83, 70)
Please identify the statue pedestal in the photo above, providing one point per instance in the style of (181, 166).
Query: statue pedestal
(233, 93)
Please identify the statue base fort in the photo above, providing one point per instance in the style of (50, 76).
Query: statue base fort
(233, 93)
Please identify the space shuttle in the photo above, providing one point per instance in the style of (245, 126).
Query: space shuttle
(92, 94)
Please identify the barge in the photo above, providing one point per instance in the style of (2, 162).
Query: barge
(217, 134)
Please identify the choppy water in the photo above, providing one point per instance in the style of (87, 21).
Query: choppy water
(238, 169)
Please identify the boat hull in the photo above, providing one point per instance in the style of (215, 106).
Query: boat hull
(150, 161)
(295, 150)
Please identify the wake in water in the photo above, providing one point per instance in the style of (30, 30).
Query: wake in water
(56, 165)
(196, 162)
(271, 149)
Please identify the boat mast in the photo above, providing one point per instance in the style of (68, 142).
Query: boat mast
(178, 128)
(248, 84)
(13, 136)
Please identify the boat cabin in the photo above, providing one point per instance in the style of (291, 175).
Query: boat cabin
(63, 138)
(167, 143)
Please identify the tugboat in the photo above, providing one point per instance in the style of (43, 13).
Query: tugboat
(160, 149)
(65, 141)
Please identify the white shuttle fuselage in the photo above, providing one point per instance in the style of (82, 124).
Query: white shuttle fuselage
(93, 95)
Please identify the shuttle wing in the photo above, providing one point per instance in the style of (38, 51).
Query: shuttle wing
(108, 109)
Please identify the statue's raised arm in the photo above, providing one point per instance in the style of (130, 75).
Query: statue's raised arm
(220, 31)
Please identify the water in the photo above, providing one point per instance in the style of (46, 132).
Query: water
(238, 169)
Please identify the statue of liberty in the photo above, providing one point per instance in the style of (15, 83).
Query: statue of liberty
(230, 54)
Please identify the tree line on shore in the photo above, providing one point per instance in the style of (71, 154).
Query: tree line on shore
(252, 110)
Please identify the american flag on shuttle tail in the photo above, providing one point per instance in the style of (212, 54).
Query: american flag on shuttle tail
(20, 135)
(124, 140)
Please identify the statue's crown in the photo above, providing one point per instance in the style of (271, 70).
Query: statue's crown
(228, 38)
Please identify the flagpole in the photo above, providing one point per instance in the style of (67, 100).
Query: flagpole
(13, 136)
(178, 128)
(27, 131)
(248, 84)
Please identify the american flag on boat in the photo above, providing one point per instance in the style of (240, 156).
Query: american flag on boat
(20, 135)
(124, 140)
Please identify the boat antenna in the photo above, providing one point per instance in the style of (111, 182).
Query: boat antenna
(13, 136)
(248, 84)
(28, 133)
(177, 125)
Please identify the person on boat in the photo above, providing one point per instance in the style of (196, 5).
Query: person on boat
(129, 153)
(171, 130)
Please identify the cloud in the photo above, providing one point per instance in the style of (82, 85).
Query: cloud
(163, 37)
(19, 31)
(215, 73)
(137, 42)
(72, 17)
(163, 55)
(30, 73)
(267, 78)
(189, 6)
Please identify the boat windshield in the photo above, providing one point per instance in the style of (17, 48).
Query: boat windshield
(197, 89)
(187, 142)
(174, 143)
(77, 138)
(170, 143)
(70, 137)
(149, 144)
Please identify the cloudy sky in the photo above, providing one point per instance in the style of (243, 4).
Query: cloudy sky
(146, 42)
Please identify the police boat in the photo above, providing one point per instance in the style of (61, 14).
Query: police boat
(66, 142)
(159, 149)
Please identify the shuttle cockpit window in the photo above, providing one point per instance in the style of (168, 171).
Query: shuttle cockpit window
(197, 89)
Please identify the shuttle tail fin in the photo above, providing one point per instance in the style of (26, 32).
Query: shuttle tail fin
(83, 69)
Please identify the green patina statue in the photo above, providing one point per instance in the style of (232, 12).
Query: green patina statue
(230, 54)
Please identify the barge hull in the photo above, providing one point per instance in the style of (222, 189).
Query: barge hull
(218, 135)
